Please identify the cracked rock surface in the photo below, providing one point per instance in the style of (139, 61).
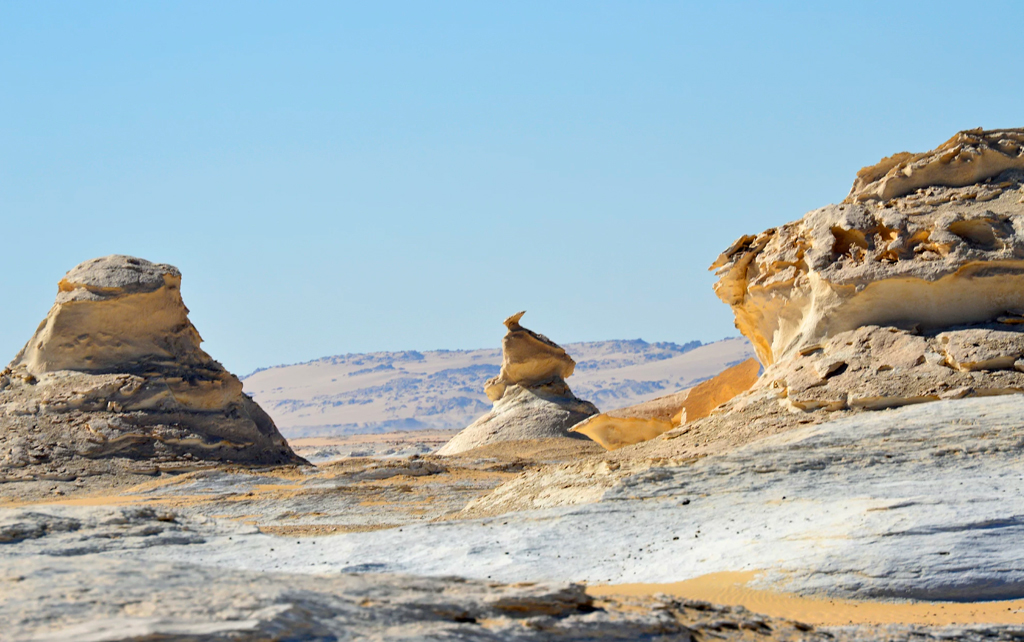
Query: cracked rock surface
(936, 252)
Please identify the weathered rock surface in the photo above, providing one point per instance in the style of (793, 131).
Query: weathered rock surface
(867, 305)
(125, 600)
(934, 240)
(108, 574)
(531, 398)
(528, 359)
(114, 380)
(915, 502)
(919, 502)
(542, 412)
(965, 159)
(872, 368)
(910, 291)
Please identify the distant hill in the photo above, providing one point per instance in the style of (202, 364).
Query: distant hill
(386, 391)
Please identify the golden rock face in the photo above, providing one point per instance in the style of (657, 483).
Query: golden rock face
(96, 333)
(528, 359)
(120, 314)
(643, 422)
(909, 291)
(929, 240)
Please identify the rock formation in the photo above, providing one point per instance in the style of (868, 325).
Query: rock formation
(865, 306)
(528, 359)
(911, 290)
(644, 421)
(114, 378)
(968, 158)
(915, 244)
(531, 398)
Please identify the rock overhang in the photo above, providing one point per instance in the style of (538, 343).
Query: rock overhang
(942, 254)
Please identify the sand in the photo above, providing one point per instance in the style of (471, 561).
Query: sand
(732, 589)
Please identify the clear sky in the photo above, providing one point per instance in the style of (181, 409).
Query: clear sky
(346, 177)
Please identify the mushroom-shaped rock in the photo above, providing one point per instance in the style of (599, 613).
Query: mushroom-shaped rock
(531, 398)
(528, 359)
(115, 374)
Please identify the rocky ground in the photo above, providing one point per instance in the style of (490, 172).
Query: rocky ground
(917, 503)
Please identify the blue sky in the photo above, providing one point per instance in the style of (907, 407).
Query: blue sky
(346, 177)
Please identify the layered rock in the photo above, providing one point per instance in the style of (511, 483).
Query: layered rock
(910, 290)
(528, 360)
(115, 374)
(913, 247)
(530, 395)
(968, 158)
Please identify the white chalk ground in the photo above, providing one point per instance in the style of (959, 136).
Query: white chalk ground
(922, 502)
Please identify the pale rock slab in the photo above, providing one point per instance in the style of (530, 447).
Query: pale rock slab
(543, 412)
(921, 502)
(127, 600)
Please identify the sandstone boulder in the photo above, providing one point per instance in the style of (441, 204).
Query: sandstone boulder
(531, 398)
(114, 378)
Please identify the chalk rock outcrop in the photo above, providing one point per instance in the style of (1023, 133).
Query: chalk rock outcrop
(911, 290)
(115, 374)
(528, 359)
(531, 398)
(931, 252)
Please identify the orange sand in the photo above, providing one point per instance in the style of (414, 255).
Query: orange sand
(731, 589)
